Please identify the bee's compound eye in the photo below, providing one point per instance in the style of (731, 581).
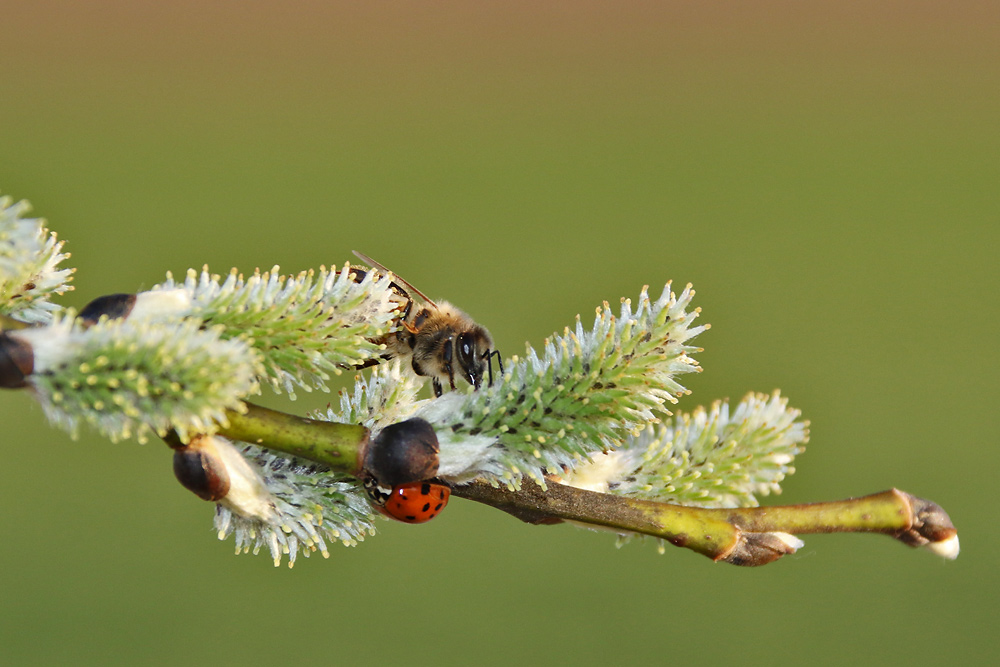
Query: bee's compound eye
(465, 347)
(471, 366)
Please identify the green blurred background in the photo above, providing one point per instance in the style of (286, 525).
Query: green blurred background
(824, 173)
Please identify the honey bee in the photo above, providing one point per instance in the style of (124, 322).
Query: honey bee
(441, 341)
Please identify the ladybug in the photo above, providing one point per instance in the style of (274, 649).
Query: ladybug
(413, 502)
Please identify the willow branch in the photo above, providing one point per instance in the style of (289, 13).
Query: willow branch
(742, 536)
(339, 446)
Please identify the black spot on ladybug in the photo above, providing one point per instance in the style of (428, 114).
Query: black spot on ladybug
(425, 489)
(438, 508)
(426, 507)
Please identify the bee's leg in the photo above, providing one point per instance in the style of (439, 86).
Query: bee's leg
(409, 303)
(488, 355)
(436, 385)
(447, 355)
(375, 361)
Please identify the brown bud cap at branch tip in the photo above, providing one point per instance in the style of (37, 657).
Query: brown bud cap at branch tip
(201, 471)
(115, 306)
(17, 361)
(403, 452)
(931, 528)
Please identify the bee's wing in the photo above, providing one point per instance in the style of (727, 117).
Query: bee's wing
(381, 267)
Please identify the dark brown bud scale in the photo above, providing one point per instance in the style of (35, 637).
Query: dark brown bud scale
(201, 472)
(115, 306)
(403, 452)
(17, 362)
(755, 549)
(930, 523)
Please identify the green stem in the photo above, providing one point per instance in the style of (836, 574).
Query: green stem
(886, 512)
(340, 446)
(743, 536)
(691, 527)
(907, 518)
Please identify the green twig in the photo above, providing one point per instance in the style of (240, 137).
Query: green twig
(339, 446)
(742, 536)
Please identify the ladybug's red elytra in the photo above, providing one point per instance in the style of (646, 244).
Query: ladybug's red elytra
(416, 502)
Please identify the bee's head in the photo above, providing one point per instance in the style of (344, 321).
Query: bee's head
(474, 350)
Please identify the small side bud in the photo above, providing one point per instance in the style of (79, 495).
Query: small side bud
(755, 549)
(403, 452)
(17, 361)
(201, 472)
(115, 306)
